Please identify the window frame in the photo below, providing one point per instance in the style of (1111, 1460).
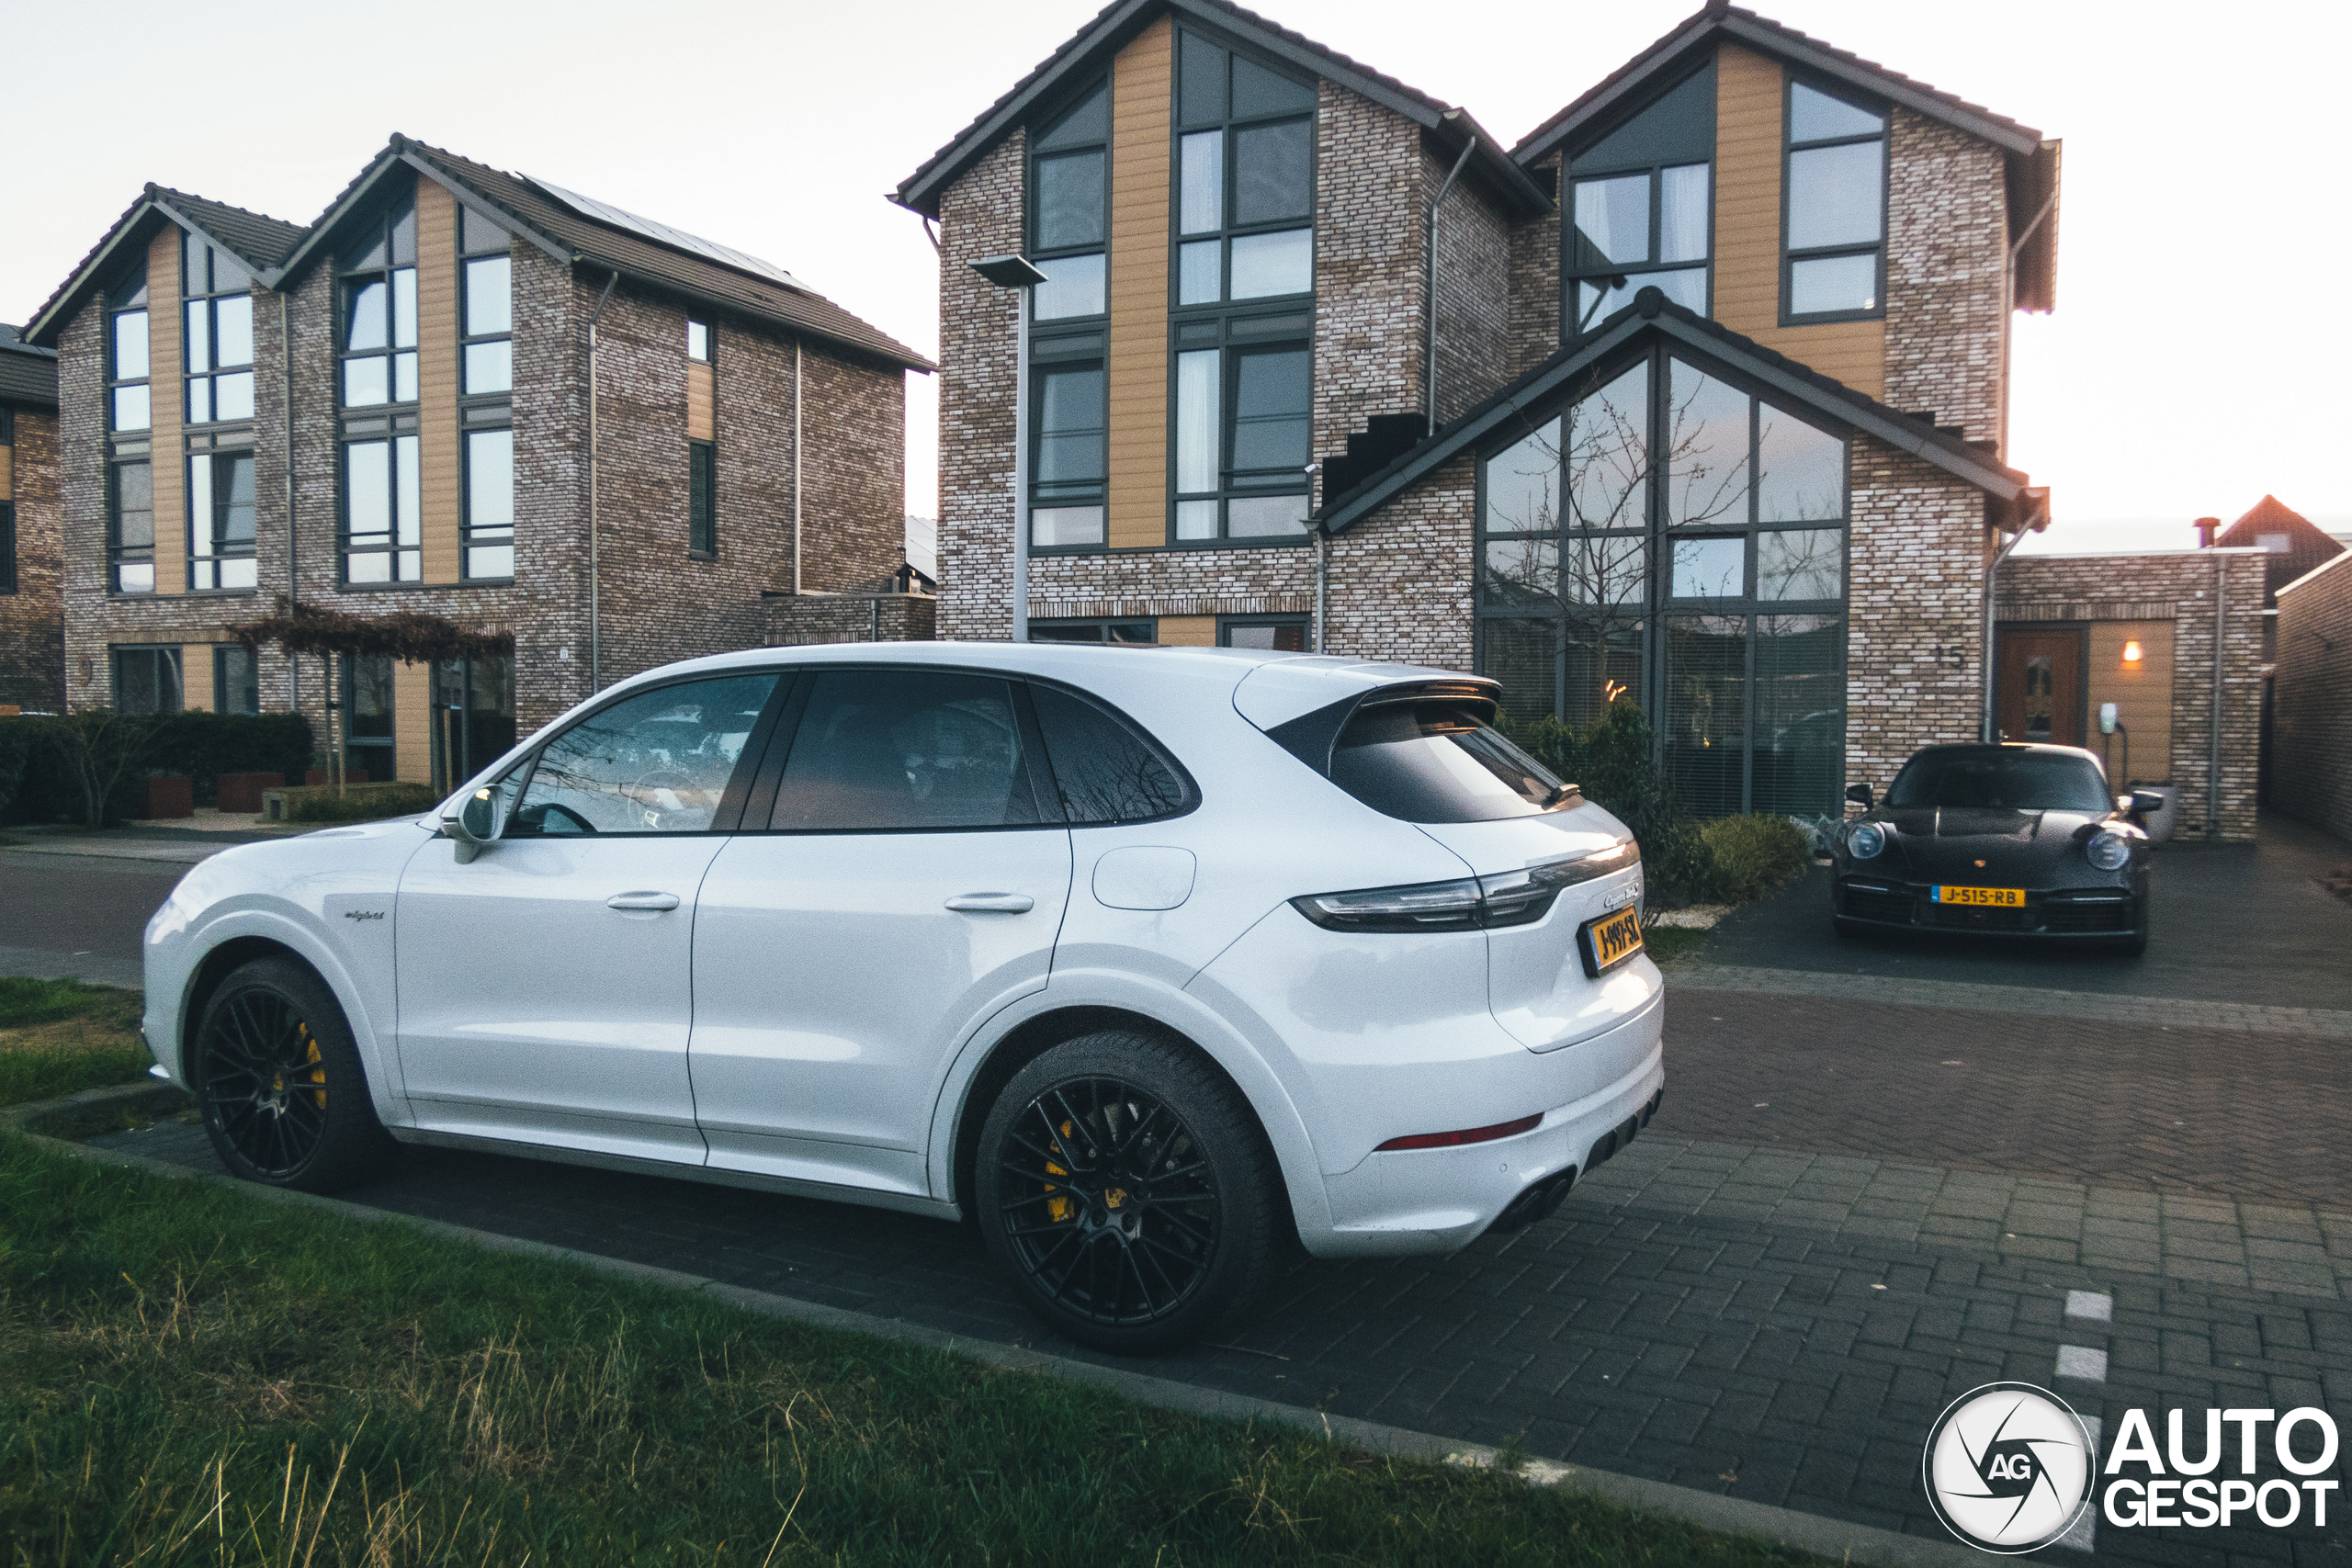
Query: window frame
(1232, 319)
(1033, 209)
(208, 530)
(346, 691)
(209, 297)
(489, 538)
(467, 341)
(390, 432)
(221, 653)
(1080, 352)
(1646, 617)
(445, 777)
(7, 547)
(347, 282)
(1098, 622)
(702, 500)
(118, 553)
(121, 302)
(1228, 624)
(710, 355)
(1790, 147)
(163, 652)
(1569, 176)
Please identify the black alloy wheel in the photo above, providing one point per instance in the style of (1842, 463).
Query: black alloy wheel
(279, 1083)
(1127, 1192)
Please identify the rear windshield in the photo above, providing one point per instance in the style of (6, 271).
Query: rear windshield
(1439, 762)
(2020, 782)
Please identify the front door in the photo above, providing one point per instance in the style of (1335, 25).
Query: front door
(908, 885)
(2040, 695)
(546, 987)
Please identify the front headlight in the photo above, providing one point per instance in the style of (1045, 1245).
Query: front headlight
(2108, 851)
(1864, 841)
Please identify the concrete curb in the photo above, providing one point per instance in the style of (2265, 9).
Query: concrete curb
(2096, 1007)
(41, 1115)
(1829, 1537)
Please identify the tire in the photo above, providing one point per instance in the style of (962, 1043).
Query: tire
(279, 1083)
(1169, 1222)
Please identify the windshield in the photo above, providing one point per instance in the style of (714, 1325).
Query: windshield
(1438, 761)
(2016, 781)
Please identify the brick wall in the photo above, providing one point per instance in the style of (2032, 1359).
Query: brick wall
(1371, 215)
(32, 619)
(1946, 256)
(1473, 303)
(1535, 283)
(979, 216)
(2084, 588)
(798, 620)
(2311, 734)
(1916, 618)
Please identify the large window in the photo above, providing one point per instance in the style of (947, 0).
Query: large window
(236, 679)
(367, 723)
(702, 497)
(1068, 461)
(488, 308)
(383, 511)
(378, 312)
(1672, 537)
(489, 504)
(1835, 227)
(127, 367)
(1068, 185)
(218, 342)
(221, 520)
(130, 527)
(1244, 263)
(1640, 201)
(146, 679)
(1139, 633)
(7, 547)
(473, 712)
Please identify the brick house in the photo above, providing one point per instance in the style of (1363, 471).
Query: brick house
(395, 408)
(1701, 391)
(32, 612)
(2311, 747)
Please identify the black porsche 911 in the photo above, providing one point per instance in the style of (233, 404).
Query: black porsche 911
(2019, 840)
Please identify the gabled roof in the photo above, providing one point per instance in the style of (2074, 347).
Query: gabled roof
(1088, 52)
(2307, 546)
(1652, 315)
(254, 238)
(571, 235)
(2268, 515)
(27, 375)
(1666, 60)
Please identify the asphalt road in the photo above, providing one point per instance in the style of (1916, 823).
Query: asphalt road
(2233, 923)
(79, 915)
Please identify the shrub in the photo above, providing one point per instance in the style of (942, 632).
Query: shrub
(1614, 762)
(1752, 855)
(66, 758)
(205, 745)
(362, 803)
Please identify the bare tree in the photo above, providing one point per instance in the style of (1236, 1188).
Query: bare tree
(100, 747)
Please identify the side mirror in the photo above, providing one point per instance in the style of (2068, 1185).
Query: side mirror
(476, 825)
(2144, 801)
(1861, 795)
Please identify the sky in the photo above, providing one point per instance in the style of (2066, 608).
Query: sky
(2185, 373)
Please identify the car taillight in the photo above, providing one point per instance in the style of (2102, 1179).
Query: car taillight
(1469, 903)
(1468, 1135)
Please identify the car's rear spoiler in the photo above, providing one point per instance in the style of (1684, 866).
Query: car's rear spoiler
(1311, 735)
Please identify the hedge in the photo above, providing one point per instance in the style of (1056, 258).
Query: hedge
(39, 788)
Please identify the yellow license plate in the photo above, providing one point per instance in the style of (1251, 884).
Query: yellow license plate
(1609, 941)
(1995, 898)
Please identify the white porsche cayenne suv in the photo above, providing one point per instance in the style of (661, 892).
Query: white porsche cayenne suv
(1145, 959)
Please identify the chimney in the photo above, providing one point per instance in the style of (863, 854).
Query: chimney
(2206, 528)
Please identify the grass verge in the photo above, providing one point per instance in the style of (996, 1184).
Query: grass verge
(1667, 944)
(190, 1374)
(57, 1036)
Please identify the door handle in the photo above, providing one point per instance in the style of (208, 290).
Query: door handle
(992, 902)
(654, 901)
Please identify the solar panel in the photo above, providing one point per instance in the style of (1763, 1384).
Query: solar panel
(662, 234)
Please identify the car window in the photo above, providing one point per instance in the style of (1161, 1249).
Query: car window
(657, 762)
(1104, 770)
(1439, 762)
(879, 750)
(2019, 782)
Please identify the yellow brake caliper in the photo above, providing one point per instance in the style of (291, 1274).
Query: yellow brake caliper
(1059, 1209)
(318, 1072)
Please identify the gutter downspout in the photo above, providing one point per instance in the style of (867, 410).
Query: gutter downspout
(1428, 374)
(796, 465)
(293, 549)
(595, 630)
(1992, 569)
(2213, 755)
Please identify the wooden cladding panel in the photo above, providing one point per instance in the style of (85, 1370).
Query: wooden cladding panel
(1749, 92)
(1188, 631)
(413, 720)
(7, 473)
(439, 440)
(165, 394)
(196, 677)
(701, 398)
(1137, 364)
(2142, 693)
